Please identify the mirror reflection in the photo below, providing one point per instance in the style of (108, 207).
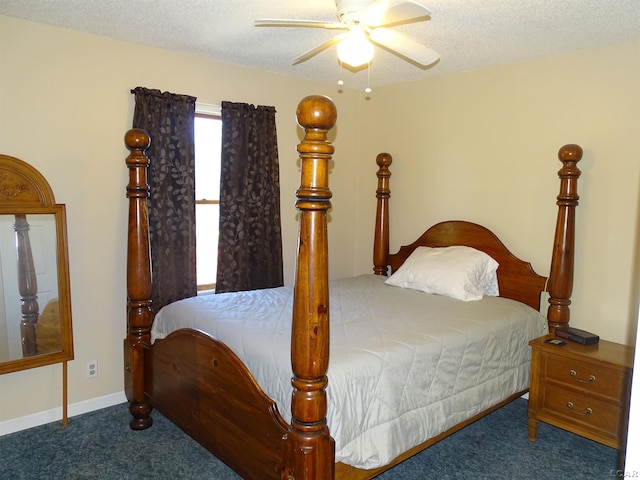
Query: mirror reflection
(35, 301)
(29, 308)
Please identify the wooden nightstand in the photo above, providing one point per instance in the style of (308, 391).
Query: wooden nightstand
(583, 389)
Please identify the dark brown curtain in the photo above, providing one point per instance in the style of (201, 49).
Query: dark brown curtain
(168, 118)
(250, 240)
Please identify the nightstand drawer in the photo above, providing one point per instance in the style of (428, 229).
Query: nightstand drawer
(587, 414)
(587, 376)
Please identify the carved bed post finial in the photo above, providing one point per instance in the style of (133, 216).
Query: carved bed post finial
(139, 315)
(561, 277)
(310, 451)
(381, 237)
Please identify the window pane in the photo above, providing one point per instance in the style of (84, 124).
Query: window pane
(207, 216)
(207, 135)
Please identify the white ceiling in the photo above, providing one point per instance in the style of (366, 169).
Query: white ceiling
(468, 34)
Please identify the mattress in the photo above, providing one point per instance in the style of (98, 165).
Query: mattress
(404, 365)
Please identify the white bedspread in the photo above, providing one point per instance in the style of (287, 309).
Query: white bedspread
(404, 365)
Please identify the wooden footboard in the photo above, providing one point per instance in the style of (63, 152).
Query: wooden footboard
(197, 382)
(230, 415)
(202, 387)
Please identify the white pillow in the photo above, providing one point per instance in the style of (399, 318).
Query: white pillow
(458, 272)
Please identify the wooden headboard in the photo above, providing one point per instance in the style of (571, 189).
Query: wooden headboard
(516, 278)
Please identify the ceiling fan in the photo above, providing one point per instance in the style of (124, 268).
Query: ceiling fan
(366, 23)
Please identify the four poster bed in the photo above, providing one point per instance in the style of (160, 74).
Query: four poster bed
(347, 416)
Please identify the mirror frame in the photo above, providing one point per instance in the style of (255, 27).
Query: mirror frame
(23, 190)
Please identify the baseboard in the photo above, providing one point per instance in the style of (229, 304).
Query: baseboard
(55, 414)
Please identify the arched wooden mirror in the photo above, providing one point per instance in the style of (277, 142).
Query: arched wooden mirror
(35, 303)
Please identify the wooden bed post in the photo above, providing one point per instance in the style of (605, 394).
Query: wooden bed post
(139, 316)
(561, 276)
(310, 450)
(27, 287)
(381, 238)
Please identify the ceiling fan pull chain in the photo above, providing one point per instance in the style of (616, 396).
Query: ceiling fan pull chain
(367, 91)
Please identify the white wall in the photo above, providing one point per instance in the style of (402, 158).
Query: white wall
(482, 146)
(65, 105)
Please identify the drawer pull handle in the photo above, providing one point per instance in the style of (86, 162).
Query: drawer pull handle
(587, 411)
(590, 379)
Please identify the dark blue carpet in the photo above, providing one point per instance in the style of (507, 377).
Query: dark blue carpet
(100, 446)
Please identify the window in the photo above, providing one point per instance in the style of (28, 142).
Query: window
(207, 137)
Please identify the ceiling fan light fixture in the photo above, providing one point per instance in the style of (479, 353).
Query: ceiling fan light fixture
(356, 49)
(366, 23)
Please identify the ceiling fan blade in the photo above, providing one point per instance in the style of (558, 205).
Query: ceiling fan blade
(277, 22)
(316, 50)
(402, 12)
(404, 46)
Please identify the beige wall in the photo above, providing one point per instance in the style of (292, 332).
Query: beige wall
(480, 146)
(65, 105)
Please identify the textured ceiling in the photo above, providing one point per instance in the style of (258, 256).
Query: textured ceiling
(468, 34)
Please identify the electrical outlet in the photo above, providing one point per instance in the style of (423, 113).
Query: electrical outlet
(92, 369)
